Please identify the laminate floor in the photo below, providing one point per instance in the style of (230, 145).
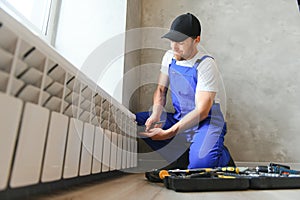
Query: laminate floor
(134, 186)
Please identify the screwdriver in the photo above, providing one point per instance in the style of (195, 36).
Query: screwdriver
(155, 123)
(198, 170)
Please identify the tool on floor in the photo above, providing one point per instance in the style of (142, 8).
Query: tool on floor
(200, 171)
(274, 168)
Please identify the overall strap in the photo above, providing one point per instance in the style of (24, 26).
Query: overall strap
(198, 61)
(173, 61)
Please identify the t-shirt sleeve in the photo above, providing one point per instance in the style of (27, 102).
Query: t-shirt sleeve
(208, 76)
(166, 61)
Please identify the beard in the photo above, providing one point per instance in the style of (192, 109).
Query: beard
(178, 57)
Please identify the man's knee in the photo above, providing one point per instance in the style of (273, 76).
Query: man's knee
(209, 160)
(141, 117)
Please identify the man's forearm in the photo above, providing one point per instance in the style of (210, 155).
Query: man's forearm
(204, 102)
(159, 101)
(191, 119)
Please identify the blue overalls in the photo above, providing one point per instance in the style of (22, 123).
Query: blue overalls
(206, 140)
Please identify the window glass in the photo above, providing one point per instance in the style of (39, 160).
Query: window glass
(35, 11)
(91, 35)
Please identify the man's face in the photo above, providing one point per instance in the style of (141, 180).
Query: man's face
(186, 49)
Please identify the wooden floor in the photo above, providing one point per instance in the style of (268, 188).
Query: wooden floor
(134, 186)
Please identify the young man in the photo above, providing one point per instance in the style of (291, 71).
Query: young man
(193, 136)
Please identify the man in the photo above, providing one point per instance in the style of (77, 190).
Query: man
(193, 136)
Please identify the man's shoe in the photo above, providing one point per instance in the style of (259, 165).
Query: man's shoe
(231, 161)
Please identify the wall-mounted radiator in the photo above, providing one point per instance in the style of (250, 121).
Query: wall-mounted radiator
(55, 123)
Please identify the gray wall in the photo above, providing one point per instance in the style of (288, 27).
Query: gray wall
(132, 55)
(256, 45)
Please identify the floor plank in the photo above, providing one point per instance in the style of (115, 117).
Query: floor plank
(134, 186)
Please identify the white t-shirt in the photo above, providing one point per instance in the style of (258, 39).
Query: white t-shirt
(208, 74)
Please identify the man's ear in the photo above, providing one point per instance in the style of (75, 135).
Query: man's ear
(197, 38)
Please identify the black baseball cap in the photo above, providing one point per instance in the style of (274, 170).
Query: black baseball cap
(184, 26)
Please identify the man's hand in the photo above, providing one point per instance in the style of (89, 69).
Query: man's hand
(158, 134)
(152, 123)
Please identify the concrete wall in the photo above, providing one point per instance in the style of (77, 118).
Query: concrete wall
(256, 45)
(132, 59)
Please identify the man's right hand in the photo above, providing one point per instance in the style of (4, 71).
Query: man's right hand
(150, 123)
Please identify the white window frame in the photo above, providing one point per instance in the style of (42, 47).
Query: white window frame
(49, 29)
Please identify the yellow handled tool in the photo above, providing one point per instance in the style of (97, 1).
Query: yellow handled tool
(164, 173)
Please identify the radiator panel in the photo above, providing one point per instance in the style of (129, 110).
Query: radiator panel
(30, 147)
(55, 148)
(97, 150)
(11, 110)
(55, 123)
(106, 151)
(87, 150)
(72, 156)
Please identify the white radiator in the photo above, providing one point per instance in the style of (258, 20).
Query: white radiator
(55, 123)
